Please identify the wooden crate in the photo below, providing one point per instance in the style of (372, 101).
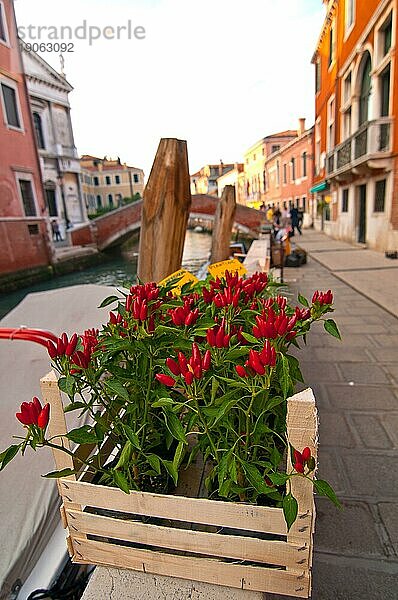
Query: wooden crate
(225, 543)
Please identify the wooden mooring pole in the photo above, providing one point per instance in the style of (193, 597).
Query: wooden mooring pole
(165, 212)
(223, 223)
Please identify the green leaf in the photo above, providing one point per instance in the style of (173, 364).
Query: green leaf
(62, 473)
(8, 455)
(171, 469)
(178, 455)
(283, 374)
(82, 435)
(74, 406)
(132, 436)
(275, 457)
(303, 300)
(163, 402)
(324, 489)
(108, 300)
(290, 510)
(235, 353)
(250, 338)
(332, 328)
(125, 455)
(255, 478)
(174, 426)
(114, 386)
(67, 385)
(278, 478)
(274, 401)
(154, 461)
(294, 368)
(121, 481)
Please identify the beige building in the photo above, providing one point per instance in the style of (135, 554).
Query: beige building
(106, 182)
(235, 177)
(59, 160)
(254, 165)
(205, 180)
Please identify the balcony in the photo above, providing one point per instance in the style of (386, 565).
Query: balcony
(373, 140)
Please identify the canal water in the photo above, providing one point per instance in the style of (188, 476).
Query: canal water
(115, 271)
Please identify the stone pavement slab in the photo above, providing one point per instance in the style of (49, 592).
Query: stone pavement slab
(381, 285)
(350, 259)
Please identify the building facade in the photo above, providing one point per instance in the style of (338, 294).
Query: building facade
(51, 114)
(289, 174)
(25, 241)
(205, 180)
(235, 177)
(254, 165)
(106, 183)
(355, 137)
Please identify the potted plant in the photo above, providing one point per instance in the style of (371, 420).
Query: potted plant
(172, 378)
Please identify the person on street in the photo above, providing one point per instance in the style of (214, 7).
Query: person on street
(56, 231)
(294, 215)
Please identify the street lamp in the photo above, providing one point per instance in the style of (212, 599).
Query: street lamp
(60, 181)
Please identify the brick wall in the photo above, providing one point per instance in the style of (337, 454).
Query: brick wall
(23, 244)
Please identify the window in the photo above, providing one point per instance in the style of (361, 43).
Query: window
(33, 229)
(3, 25)
(304, 164)
(385, 92)
(10, 104)
(293, 162)
(364, 99)
(347, 88)
(386, 33)
(331, 44)
(304, 203)
(344, 200)
(108, 180)
(38, 131)
(264, 181)
(25, 186)
(136, 178)
(275, 148)
(99, 201)
(277, 173)
(284, 173)
(96, 181)
(349, 13)
(110, 199)
(117, 179)
(380, 195)
(347, 123)
(317, 145)
(254, 157)
(318, 74)
(330, 128)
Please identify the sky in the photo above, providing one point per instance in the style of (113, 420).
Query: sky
(220, 74)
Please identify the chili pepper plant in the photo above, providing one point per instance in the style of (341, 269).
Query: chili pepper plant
(173, 378)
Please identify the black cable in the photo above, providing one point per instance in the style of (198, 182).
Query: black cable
(72, 592)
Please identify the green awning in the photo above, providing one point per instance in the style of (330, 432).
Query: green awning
(319, 187)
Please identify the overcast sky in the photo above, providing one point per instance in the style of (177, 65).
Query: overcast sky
(219, 73)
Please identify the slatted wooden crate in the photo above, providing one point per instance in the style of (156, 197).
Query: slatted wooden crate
(231, 544)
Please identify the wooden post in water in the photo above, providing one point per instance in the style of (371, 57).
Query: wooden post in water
(223, 222)
(165, 212)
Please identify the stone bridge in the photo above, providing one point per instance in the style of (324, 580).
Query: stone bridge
(115, 227)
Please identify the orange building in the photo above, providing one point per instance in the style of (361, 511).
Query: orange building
(288, 173)
(24, 236)
(355, 140)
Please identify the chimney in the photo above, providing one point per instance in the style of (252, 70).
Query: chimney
(301, 127)
(220, 168)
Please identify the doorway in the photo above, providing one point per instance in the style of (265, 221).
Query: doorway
(362, 214)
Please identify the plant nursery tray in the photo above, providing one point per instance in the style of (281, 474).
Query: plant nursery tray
(240, 545)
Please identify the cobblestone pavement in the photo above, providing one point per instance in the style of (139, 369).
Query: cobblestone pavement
(356, 386)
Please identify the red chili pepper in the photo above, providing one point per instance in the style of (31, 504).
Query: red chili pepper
(143, 310)
(306, 454)
(196, 354)
(182, 361)
(220, 337)
(60, 347)
(241, 371)
(206, 362)
(71, 347)
(255, 362)
(188, 376)
(173, 366)
(165, 379)
(52, 351)
(299, 467)
(211, 337)
(44, 416)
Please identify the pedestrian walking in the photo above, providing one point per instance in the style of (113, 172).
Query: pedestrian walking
(277, 216)
(285, 217)
(294, 215)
